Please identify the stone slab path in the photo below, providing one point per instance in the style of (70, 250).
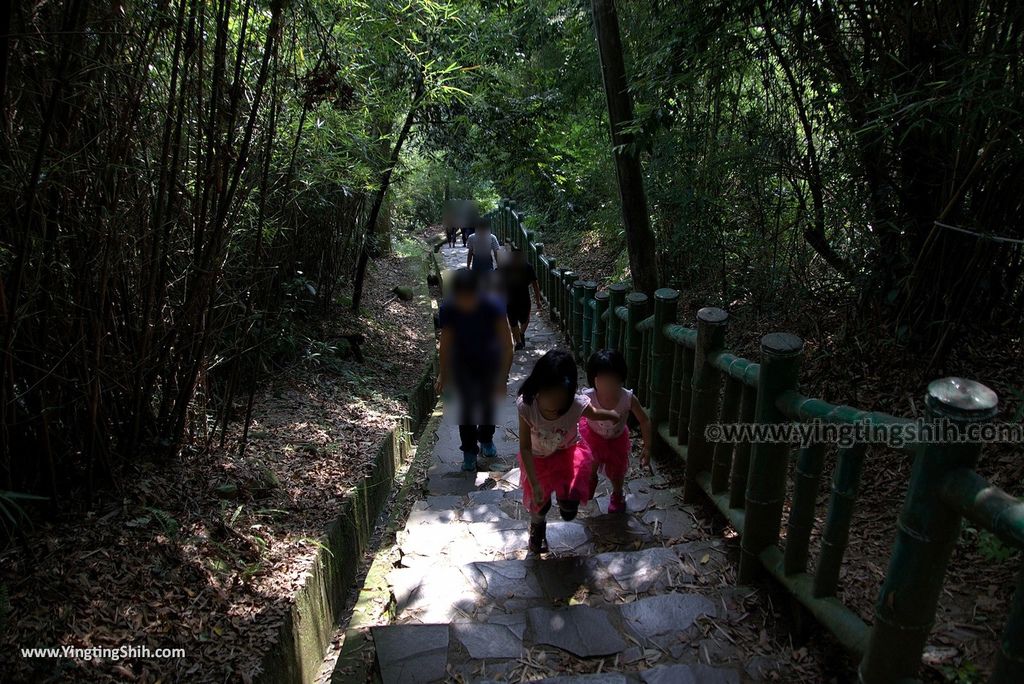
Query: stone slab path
(611, 602)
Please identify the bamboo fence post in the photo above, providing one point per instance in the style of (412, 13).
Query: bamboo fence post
(741, 457)
(589, 290)
(576, 329)
(925, 537)
(636, 310)
(685, 395)
(766, 483)
(837, 524)
(539, 265)
(676, 397)
(643, 382)
(568, 278)
(554, 273)
(665, 302)
(616, 298)
(599, 329)
(722, 463)
(801, 513)
(706, 383)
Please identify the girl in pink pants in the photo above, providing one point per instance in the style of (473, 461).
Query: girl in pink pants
(609, 440)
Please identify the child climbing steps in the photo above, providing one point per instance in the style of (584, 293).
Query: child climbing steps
(552, 457)
(609, 441)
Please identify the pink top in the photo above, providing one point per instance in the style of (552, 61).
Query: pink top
(610, 429)
(548, 436)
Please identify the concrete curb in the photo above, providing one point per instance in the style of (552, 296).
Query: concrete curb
(298, 653)
(355, 662)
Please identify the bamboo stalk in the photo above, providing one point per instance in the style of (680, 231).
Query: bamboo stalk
(801, 513)
(643, 382)
(837, 524)
(675, 394)
(685, 395)
(706, 384)
(722, 464)
(741, 457)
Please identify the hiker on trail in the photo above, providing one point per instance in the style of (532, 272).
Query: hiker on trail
(483, 248)
(475, 357)
(609, 440)
(467, 218)
(449, 225)
(552, 457)
(518, 275)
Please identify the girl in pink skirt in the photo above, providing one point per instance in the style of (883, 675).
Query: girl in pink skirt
(552, 458)
(609, 440)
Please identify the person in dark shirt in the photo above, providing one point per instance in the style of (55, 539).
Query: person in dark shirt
(449, 225)
(475, 357)
(518, 276)
(483, 248)
(467, 219)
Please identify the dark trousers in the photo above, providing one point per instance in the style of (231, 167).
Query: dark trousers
(473, 435)
(476, 419)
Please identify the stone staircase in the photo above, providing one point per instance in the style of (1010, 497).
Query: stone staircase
(624, 598)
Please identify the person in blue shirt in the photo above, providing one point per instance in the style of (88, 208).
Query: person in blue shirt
(475, 358)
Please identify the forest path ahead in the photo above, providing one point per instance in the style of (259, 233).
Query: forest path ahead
(634, 597)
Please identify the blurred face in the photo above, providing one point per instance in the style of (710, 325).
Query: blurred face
(552, 400)
(466, 301)
(607, 384)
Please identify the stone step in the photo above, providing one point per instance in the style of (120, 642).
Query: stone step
(497, 531)
(475, 590)
(647, 499)
(492, 524)
(660, 627)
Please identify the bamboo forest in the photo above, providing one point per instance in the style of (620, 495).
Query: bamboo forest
(563, 341)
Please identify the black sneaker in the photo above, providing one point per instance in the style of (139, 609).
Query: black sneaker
(538, 538)
(520, 345)
(568, 509)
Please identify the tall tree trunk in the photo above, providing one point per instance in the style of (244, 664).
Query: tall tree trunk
(382, 191)
(639, 237)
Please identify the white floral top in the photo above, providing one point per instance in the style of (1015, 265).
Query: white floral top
(548, 436)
